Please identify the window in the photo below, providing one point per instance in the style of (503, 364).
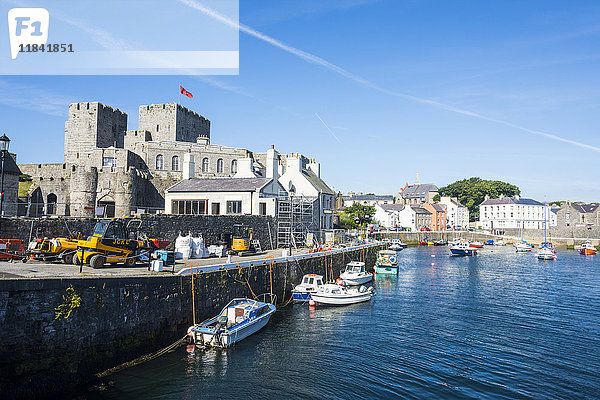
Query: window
(262, 208)
(175, 163)
(234, 166)
(234, 207)
(220, 166)
(160, 162)
(189, 207)
(205, 165)
(216, 208)
(109, 162)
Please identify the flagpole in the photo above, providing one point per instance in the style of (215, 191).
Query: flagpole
(179, 97)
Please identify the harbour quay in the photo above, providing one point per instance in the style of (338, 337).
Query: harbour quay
(61, 332)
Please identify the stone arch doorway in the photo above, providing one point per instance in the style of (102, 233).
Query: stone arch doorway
(109, 207)
(51, 202)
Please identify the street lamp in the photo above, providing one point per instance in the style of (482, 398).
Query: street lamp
(4, 144)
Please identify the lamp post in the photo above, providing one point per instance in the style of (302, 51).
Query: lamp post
(4, 144)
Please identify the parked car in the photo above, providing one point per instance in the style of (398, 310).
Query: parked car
(425, 228)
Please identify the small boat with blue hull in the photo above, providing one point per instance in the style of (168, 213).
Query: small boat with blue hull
(310, 284)
(239, 319)
(387, 262)
(462, 249)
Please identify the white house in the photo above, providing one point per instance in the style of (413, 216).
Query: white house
(396, 216)
(514, 212)
(302, 177)
(245, 193)
(458, 215)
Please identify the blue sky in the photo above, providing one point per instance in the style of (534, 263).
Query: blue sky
(448, 89)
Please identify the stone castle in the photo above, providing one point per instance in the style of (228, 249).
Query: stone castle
(124, 171)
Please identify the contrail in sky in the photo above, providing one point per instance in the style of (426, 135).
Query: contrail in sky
(341, 71)
(330, 131)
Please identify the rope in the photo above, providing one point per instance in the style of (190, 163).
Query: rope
(143, 359)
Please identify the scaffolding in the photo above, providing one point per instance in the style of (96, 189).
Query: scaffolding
(295, 218)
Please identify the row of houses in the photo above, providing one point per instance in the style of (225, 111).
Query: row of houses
(516, 212)
(414, 208)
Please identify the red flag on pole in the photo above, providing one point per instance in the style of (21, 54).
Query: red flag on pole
(185, 92)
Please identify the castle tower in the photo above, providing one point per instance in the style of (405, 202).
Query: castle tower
(83, 191)
(173, 122)
(92, 125)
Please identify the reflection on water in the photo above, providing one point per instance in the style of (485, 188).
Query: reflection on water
(497, 325)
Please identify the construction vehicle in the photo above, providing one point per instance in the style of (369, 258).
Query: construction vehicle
(114, 242)
(242, 240)
(57, 249)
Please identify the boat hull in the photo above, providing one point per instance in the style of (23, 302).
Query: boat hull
(587, 252)
(356, 281)
(461, 252)
(228, 338)
(300, 297)
(380, 269)
(341, 300)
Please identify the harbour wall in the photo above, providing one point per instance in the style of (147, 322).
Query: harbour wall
(165, 227)
(58, 333)
(535, 236)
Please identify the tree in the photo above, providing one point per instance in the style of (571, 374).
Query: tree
(357, 215)
(437, 198)
(471, 192)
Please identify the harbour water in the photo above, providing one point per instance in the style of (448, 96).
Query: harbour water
(499, 325)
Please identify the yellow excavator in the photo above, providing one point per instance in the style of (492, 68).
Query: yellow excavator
(113, 242)
(241, 241)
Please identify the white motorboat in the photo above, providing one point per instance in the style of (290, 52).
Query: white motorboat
(522, 247)
(310, 284)
(339, 295)
(397, 245)
(238, 320)
(546, 253)
(387, 262)
(355, 274)
(499, 243)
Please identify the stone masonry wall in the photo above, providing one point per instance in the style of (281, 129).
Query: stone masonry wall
(165, 227)
(115, 320)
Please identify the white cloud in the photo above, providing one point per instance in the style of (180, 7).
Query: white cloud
(32, 99)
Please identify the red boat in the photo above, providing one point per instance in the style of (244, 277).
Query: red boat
(476, 244)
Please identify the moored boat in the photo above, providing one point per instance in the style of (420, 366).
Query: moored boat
(310, 283)
(522, 247)
(387, 262)
(462, 249)
(239, 319)
(397, 245)
(339, 295)
(476, 244)
(546, 253)
(587, 249)
(499, 243)
(355, 274)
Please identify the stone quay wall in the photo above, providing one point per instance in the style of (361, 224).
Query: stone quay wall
(164, 227)
(113, 320)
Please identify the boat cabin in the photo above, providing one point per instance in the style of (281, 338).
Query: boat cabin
(240, 311)
(355, 267)
(313, 280)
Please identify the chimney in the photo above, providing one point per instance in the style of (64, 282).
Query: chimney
(315, 167)
(293, 163)
(272, 166)
(189, 166)
(245, 168)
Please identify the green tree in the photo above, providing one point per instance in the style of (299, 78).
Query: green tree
(437, 198)
(357, 215)
(471, 192)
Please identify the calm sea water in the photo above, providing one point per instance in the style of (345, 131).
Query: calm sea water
(500, 325)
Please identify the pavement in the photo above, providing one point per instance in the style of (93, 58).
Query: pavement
(38, 269)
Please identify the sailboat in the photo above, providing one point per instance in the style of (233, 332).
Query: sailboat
(546, 250)
(522, 246)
